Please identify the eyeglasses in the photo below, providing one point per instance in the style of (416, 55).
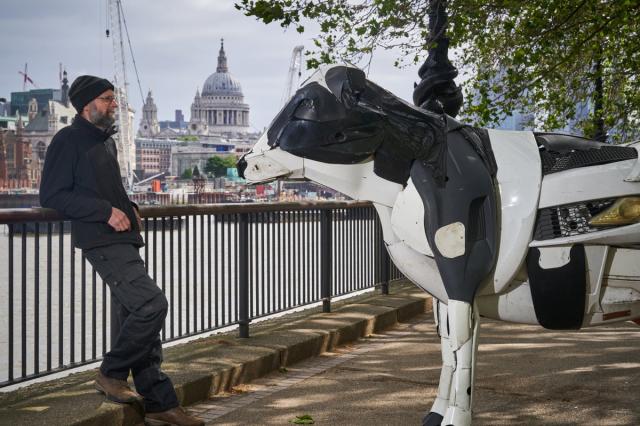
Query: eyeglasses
(107, 99)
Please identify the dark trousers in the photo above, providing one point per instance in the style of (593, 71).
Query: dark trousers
(140, 307)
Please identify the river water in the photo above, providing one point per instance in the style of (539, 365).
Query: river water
(195, 264)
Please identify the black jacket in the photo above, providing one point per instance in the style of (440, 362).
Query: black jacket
(81, 179)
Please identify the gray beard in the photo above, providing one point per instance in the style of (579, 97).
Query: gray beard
(103, 121)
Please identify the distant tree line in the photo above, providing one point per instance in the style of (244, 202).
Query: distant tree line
(216, 166)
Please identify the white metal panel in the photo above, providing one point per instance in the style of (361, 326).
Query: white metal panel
(265, 163)
(384, 213)
(513, 306)
(624, 265)
(634, 174)
(355, 180)
(418, 268)
(407, 220)
(588, 183)
(596, 257)
(554, 257)
(519, 175)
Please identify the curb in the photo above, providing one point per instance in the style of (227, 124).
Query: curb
(217, 363)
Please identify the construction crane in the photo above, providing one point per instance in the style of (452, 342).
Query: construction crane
(293, 80)
(138, 184)
(124, 137)
(295, 72)
(26, 79)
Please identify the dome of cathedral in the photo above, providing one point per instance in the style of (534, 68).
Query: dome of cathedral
(221, 83)
(220, 107)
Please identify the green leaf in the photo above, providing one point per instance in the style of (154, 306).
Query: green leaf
(542, 53)
(305, 419)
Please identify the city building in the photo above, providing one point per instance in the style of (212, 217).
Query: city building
(27, 132)
(178, 123)
(45, 122)
(583, 109)
(219, 125)
(17, 166)
(187, 155)
(5, 107)
(20, 100)
(220, 108)
(179, 119)
(149, 126)
(153, 156)
(9, 122)
(516, 121)
(174, 156)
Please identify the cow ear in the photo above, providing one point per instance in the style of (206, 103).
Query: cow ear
(345, 82)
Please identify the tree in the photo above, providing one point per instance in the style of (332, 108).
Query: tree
(541, 56)
(218, 164)
(187, 173)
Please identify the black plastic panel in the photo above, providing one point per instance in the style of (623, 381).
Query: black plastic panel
(468, 197)
(356, 119)
(560, 152)
(559, 294)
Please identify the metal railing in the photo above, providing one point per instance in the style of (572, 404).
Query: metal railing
(218, 265)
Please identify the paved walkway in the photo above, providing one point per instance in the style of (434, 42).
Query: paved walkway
(526, 376)
(210, 365)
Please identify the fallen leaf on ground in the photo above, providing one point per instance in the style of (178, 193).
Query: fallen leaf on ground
(305, 419)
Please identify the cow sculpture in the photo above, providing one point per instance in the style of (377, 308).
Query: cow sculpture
(533, 228)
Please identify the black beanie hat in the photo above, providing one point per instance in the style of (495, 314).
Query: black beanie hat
(86, 88)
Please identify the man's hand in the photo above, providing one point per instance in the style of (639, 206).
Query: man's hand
(138, 219)
(119, 221)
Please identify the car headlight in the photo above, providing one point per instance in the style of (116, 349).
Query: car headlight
(624, 211)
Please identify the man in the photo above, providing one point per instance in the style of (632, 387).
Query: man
(81, 179)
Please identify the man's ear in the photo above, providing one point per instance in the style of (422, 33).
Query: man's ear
(86, 110)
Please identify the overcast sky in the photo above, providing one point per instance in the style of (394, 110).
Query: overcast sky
(175, 44)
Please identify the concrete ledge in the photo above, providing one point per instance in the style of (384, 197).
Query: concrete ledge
(215, 364)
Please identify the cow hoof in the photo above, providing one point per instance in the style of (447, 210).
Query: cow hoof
(432, 419)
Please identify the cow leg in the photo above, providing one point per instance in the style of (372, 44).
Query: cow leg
(439, 408)
(463, 340)
(461, 226)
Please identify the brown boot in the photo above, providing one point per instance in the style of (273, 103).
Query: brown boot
(175, 417)
(115, 390)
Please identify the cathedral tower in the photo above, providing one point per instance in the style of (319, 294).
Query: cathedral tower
(149, 126)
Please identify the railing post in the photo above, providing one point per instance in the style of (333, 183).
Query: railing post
(385, 262)
(243, 275)
(386, 270)
(325, 259)
(10, 297)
